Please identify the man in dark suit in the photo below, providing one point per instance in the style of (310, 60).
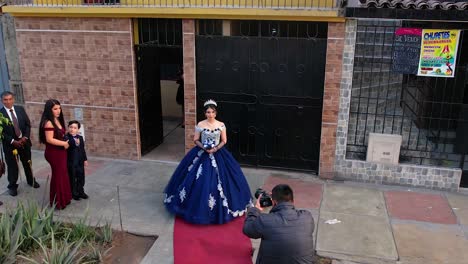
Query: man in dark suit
(16, 136)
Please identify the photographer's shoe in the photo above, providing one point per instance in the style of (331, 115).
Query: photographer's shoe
(84, 196)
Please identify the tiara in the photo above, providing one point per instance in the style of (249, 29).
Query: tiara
(210, 102)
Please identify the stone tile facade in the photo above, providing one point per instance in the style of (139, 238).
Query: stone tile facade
(331, 97)
(190, 82)
(87, 64)
(401, 174)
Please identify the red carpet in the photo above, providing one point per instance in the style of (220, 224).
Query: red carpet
(211, 243)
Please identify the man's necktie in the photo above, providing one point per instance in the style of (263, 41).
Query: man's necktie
(15, 123)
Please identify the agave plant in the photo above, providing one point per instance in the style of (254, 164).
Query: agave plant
(21, 227)
(10, 239)
(94, 255)
(82, 230)
(62, 252)
(105, 234)
(37, 224)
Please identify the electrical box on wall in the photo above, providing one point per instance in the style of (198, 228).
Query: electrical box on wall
(384, 148)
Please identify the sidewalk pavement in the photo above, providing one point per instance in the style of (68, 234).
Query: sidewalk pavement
(374, 223)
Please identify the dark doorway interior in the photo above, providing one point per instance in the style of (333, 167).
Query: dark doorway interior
(159, 58)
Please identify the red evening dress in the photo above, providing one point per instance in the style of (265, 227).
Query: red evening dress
(60, 191)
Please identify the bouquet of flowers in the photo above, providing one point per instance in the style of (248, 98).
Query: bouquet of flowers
(208, 143)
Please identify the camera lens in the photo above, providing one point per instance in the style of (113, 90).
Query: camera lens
(258, 192)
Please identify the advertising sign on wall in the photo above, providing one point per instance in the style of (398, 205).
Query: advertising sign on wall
(438, 52)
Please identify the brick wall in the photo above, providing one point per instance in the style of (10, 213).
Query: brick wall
(331, 98)
(85, 63)
(190, 91)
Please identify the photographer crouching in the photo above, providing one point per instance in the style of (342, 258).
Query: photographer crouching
(286, 233)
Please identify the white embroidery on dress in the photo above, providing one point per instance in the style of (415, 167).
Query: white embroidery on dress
(167, 199)
(182, 195)
(211, 202)
(200, 152)
(213, 161)
(225, 200)
(199, 172)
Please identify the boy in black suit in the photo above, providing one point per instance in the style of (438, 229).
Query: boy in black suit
(77, 160)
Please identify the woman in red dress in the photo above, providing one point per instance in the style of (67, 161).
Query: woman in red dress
(51, 133)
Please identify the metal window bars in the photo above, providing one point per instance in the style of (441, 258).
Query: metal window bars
(430, 113)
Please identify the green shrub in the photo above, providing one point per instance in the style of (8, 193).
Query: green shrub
(94, 255)
(81, 231)
(104, 234)
(28, 227)
(37, 224)
(20, 226)
(10, 239)
(62, 252)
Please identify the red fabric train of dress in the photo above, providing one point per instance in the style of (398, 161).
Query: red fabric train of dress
(194, 243)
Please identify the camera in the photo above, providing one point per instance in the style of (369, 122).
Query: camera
(265, 201)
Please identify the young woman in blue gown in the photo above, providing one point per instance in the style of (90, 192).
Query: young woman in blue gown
(208, 186)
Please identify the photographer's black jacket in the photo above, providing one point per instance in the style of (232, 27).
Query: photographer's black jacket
(286, 233)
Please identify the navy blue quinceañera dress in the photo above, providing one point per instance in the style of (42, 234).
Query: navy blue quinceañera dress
(208, 188)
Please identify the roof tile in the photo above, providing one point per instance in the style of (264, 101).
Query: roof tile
(416, 4)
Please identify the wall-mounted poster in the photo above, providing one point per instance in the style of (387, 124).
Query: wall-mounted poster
(438, 52)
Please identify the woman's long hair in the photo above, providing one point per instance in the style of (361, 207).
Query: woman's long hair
(48, 115)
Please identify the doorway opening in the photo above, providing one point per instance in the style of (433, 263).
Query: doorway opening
(158, 48)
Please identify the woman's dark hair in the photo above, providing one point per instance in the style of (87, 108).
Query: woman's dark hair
(210, 106)
(282, 193)
(47, 115)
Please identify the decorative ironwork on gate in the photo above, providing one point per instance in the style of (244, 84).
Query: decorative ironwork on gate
(430, 113)
(268, 78)
(159, 32)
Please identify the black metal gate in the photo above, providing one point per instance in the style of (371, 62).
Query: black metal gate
(270, 93)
